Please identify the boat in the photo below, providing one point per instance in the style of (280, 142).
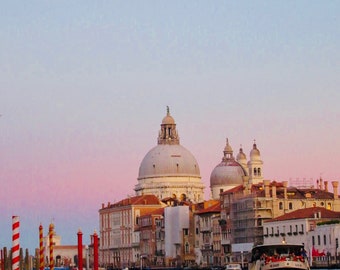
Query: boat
(233, 266)
(279, 257)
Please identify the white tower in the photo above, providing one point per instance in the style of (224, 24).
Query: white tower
(255, 165)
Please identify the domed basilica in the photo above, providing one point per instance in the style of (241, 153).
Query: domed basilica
(170, 170)
(231, 172)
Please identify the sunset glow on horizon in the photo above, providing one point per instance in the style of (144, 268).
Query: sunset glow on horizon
(85, 86)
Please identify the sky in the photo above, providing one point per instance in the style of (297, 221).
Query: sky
(84, 87)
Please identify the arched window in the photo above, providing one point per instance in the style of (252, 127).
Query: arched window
(255, 171)
(329, 206)
(259, 171)
(290, 205)
(258, 204)
(280, 205)
(58, 260)
(187, 248)
(259, 220)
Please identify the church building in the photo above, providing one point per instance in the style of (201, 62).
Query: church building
(169, 170)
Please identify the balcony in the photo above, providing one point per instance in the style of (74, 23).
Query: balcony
(205, 229)
(207, 248)
(225, 242)
(159, 253)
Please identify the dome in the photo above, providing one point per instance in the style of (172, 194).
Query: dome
(168, 119)
(254, 153)
(241, 155)
(168, 160)
(169, 169)
(227, 173)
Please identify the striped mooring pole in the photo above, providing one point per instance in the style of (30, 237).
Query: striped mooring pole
(41, 248)
(50, 233)
(15, 242)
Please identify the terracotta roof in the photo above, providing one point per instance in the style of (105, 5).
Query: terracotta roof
(216, 208)
(137, 200)
(159, 211)
(307, 213)
(236, 189)
(292, 192)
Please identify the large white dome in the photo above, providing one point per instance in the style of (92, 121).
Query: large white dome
(169, 169)
(168, 160)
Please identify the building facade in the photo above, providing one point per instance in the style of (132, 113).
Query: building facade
(120, 231)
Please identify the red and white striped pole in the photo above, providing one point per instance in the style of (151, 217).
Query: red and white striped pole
(41, 248)
(15, 241)
(50, 233)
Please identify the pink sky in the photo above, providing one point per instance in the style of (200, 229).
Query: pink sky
(84, 87)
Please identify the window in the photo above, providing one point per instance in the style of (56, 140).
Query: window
(324, 240)
(329, 206)
(290, 205)
(319, 240)
(187, 248)
(259, 171)
(280, 205)
(313, 240)
(186, 231)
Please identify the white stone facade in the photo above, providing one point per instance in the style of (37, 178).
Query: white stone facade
(175, 220)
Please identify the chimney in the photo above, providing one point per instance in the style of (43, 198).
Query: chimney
(335, 189)
(246, 184)
(326, 186)
(285, 184)
(274, 191)
(266, 188)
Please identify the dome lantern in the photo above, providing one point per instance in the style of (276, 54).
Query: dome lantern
(168, 133)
